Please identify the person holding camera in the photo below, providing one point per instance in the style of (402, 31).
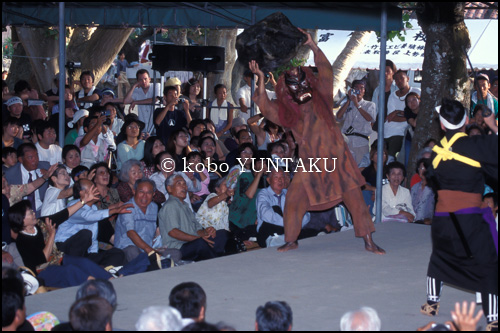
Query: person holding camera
(174, 116)
(94, 144)
(358, 116)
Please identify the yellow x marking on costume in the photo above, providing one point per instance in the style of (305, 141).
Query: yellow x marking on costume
(445, 153)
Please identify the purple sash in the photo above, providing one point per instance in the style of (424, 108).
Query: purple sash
(487, 216)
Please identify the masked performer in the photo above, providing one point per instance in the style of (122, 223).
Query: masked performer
(305, 105)
(463, 245)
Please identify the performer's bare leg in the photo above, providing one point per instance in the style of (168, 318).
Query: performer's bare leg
(295, 208)
(361, 219)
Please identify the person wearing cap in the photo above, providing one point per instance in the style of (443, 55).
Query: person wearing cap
(76, 126)
(172, 117)
(463, 235)
(174, 82)
(482, 95)
(358, 116)
(131, 147)
(15, 108)
(141, 94)
(89, 95)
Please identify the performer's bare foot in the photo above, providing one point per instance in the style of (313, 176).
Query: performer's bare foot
(371, 246)
(288, 246)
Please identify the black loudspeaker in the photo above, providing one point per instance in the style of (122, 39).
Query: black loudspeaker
(188, 58)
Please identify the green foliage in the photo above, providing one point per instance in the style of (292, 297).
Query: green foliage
(391, 35)
(7, 48)
(293, 63)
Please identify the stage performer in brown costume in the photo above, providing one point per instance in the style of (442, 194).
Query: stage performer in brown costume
(305, 105)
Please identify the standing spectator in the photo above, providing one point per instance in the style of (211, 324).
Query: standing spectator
(193, 92)
(221, 111)
(274, 316)
(131, 147)
(10, 133)
(396, 200)
(121, 74)
(422, 196)
(15, 108)
(395, 123)
(135, 232)
(89, 95)
(358, 116)
(190, 300)
(180, 230)
(482, 95)
(494, 87)
(141, 95)
(173, 117)
(389, 88)
(47, 149)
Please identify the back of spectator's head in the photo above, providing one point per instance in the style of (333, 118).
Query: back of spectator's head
(430, 143)
(13, 310)
(88, 73)
(274, 316)
(364, 319)
(101, 288)
(12, 280)
(190, 299)
(453, 112)
(201, 327)
(20, 86)
(160, 318)
(395, 165)
(91, 313)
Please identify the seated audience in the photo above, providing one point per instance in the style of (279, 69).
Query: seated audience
(131, 172)
(274, 316)
(9, 158)
(152, 147)
(265, 132)
(28, 170)
(190, 300)
(178, 147)
(94, 144)
(180, 230)
(11, 129)
(200, 173)
(243, 136)
(422, 196)
(396, 200)
(243, 210)
(208, 148)
(116, 122)
(135, 231)
(91, 313)
(131, 147)
(71, 157)
(78, 235)
(215, 210)
(364, 319)
(160, 318)
(75, 132)
(270, 206)
(57, 192)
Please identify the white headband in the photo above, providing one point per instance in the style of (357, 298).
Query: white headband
(449, 125)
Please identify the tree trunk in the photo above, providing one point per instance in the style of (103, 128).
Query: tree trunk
(224, 38)
(133, 46)
(444, 72)
(346, 59)
(20, 67)
(98, 52)
(46, 61)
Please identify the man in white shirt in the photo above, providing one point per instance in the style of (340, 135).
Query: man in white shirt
(88, 95)
(395, 123)
(244, 94)
(47, 149)
(141, 95)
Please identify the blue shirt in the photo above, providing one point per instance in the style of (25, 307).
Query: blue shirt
(142, 223)
(266, 199)
(86, 217)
